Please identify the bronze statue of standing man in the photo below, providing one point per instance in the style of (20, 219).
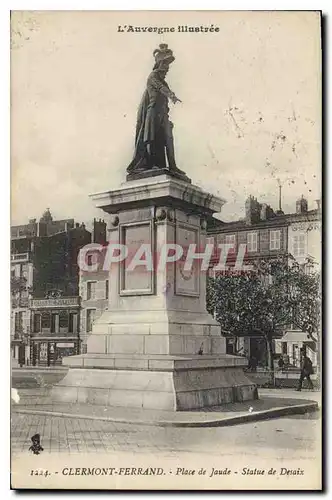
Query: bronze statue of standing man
(154, 144)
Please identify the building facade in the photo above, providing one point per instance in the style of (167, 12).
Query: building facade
(43, 264)
(93, 286)
(21, 285)
(304, 242)
(267, 234)
(94, 292)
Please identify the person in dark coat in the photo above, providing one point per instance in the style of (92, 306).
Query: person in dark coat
(281, 363)
(252, 364)
(306, 370)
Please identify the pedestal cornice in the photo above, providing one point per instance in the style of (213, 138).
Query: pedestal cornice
(158, 190)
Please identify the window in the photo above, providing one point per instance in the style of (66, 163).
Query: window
(53, 322)
(25, 271)
(90, 317)
(63, 319)
(36, 323)
(18, 322)
(298, 245)
(230, 240)
(275, 240)
(309, 268)
(106, 289)
(45, 321)
(252, 242)
(267, 280)
(72, 323)
(230, 345)
(91, 290)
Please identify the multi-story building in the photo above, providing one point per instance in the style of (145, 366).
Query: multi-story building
(44, 263)
(21, 284)
(267, 234)
(93, 288)
(304, 243)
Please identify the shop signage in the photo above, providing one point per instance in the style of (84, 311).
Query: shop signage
(61, 302)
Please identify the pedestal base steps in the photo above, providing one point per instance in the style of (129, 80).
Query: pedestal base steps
(162, 382)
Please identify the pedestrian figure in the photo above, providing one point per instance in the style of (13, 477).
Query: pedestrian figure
(254, 363)
(285, 360)
(306, 370)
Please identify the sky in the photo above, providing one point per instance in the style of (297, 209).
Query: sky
(250, 115)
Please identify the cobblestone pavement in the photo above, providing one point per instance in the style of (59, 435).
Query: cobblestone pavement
(291, 437)
(38, 400)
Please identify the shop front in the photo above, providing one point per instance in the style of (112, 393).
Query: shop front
(291, 344)
(54, 330)
(49, 352)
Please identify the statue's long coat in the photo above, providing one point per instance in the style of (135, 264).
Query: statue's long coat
(152, 120)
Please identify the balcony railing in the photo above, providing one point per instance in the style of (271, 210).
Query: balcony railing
(20, 257)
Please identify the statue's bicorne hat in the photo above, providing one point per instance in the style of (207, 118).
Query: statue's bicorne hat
(163, 55)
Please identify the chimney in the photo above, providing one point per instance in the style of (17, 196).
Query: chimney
(301, 205)
(318, 204)
(264, 211)
(248, 209)
(41, 229)
(253, 210)
(99, 231)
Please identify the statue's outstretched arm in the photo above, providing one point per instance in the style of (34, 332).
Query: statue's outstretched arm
(163, 89)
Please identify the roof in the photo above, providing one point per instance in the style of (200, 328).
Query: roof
(30, 230)
(216, 226)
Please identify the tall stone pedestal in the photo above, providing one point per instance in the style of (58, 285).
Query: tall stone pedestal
(156, 346)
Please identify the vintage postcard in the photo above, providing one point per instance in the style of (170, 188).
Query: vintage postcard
(166, 250)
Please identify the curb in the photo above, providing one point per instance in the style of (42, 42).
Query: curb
(16, 370)
(281, 411)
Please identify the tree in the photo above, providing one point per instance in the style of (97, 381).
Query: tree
(305, 299)
(266, 301)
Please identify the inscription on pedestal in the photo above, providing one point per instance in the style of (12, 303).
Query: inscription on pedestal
(137, 279)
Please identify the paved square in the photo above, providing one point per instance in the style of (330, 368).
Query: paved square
(292, 437)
